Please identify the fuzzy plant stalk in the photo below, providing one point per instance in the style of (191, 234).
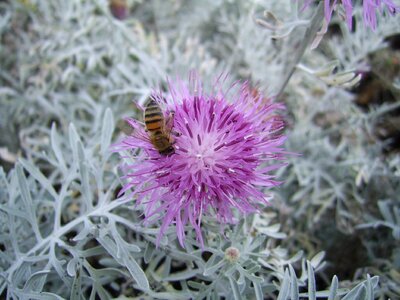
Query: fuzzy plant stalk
(310, 34)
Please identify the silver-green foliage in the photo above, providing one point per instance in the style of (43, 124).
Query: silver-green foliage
(69, 72)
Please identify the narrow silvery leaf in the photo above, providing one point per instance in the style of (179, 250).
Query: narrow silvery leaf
(3, 285)
(91, 63)
(21, 274)
(83, 170)
(102, 293)
(45, 183)
(106, 131)
(246, 273)
(186, 256)
(23, 185)
(196, 285)
(352, 82)
(235, 288)
(253, 269)
(55, 144)
(384, 208)
(348, 78)
(73, 140)
(284, 289)
(167, 267)
(273, 228)
(370, 290)
(83, 233)
(58, 266)
(317, 259)
(214, 295)
(294, 288)
(238, 229)
(257, 242)
(136, 272)
(125, 259)
(258, 291)
(27, 200)
(211, 261)
(333, 288)
(76, 290)
(112, 271)
(272, 231)
(71, 267)
(296, 257)
(396, 212)
(184, 275)
(211, 269)
(38, 296)
(125, 71)
(361, 289)
(36, 281)
(241, 280)
(355, 293)
(15, 212)
(311, 282)
(148, 252)
(99, 250)
(3, 181)
(171, 295)
(396, 233)
(374, 281)
(328, 68)
(119, 240)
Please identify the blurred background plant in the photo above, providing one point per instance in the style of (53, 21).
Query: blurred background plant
(69, 73)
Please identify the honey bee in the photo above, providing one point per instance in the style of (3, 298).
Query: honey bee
(159, 128)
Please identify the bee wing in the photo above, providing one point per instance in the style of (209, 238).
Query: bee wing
(169, 122)
(137, 129)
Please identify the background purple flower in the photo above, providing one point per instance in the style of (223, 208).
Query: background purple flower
(224, 147)
(119, 9)
(370, 8)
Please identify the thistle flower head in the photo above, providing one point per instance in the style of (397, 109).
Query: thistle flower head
(223, 145)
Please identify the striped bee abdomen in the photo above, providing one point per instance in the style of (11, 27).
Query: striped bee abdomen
(153, 116)
(155, 125)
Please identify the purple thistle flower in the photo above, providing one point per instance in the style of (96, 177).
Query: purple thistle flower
(369, 10)
(224, 147)
(370, 7)
(119, 9)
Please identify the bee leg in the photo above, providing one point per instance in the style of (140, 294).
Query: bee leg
(175, 133)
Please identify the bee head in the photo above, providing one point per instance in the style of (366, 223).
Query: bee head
(170, 150)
